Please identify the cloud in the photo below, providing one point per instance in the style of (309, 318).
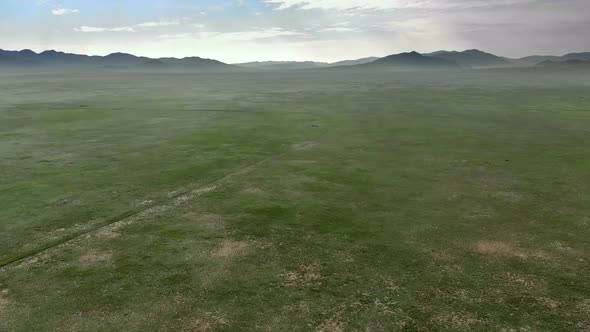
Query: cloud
(339, 29)
(132, 28)
(388, 4)
(157, 24)
(64, 11)
(263, 34)
(97, 29)
(249, 35)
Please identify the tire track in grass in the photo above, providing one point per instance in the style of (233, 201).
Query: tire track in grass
(206, 187)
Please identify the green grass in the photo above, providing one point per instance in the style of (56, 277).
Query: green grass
(334, 201)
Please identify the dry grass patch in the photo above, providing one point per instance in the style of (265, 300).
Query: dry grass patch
(307, 275)
(564, 249)
(504, 249)
(497, 248)
(211, 321)
(4, 301)
(331, 325)
(584, 307)
(108, 233)
(303, 146)
(522, 281)
(182, 199)
(456, 321)
(231, 248)
(549, 303)
(507, 196)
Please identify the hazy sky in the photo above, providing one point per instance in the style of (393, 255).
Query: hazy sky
(321, 30)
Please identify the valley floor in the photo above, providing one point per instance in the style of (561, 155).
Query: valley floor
(309, 200)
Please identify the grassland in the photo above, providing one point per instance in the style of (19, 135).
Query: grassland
(311, 200)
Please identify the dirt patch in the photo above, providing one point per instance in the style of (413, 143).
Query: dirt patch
(504, 249)
(210, 321)
(231, 248)
(307, 275)
(94, 258)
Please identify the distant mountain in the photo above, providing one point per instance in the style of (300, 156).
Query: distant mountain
(538, 59)
(533, 59)
(154, 63)
(404, 61)
(353, 62)
(564, 64)
(412, 61)
(577, 56)
(19, 58)
(292, 65)
(55, 59)
(472, 59)
(195, 62)
(283, 65)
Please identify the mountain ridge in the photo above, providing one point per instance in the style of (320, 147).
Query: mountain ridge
(118, 59)
(469, 59)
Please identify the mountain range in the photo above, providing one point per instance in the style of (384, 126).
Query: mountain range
(469, 59)
(289, 65)
(28, 58)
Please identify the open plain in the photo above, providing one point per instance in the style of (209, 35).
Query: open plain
(329, 200)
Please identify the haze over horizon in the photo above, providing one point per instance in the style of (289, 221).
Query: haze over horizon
(294, 30)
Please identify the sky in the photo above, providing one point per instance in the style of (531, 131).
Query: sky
(294, 30)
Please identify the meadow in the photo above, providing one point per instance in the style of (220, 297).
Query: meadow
(312, 200)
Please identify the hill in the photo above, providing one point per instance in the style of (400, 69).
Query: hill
(353, 62)
(412, 61)
(472, 59)
(566, 63)
(539, 59)
(194, 62)
(585, 56)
